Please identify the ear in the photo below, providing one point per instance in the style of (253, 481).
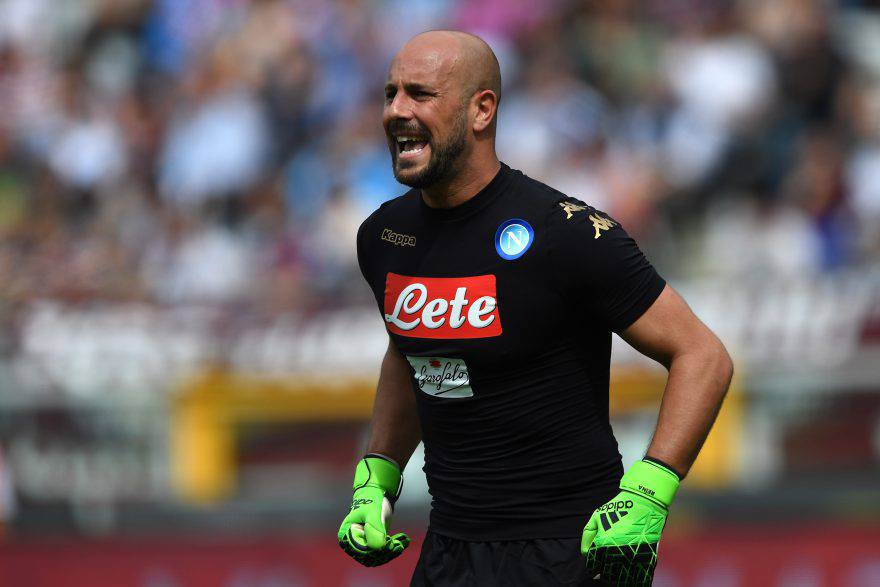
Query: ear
(485, 103)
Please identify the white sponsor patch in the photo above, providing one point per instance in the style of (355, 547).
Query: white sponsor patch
(442, 376)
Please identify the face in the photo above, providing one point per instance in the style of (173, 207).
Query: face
(425, 118)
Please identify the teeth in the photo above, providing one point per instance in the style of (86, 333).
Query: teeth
(405, 139)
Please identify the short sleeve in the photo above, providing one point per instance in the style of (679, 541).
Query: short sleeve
(362, 249)
(597, 264)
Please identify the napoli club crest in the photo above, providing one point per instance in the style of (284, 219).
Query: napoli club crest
(513, 238)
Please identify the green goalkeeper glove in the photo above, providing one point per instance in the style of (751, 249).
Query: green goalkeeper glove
(363, 534)
(620, 540)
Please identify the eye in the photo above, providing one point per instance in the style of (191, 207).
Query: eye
(389, 94)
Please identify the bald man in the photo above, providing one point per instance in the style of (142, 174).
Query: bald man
(499, 295)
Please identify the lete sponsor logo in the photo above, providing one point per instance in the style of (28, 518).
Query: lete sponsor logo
(442, 307)
(441, 376)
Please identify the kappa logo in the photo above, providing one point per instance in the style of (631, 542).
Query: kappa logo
(442, 307)
(570, 208)
(397, 238)
(600, 223)
(513, 238)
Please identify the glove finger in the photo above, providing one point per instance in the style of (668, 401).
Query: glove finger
(374, 558)
(358, 555)
(355, 516)
(357, 537)
(643, 563)
(390, 555)
(622, 565)
(376, 537)
(596, 567)
(401, 539)
(374, 528)
(590, 531)
(397, 543)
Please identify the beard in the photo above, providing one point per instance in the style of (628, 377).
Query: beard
(442, 165)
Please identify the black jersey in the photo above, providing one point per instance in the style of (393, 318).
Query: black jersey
(504, 307)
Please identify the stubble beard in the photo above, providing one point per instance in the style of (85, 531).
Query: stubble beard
(443, 163)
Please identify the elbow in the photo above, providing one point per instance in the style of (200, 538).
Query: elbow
(723, 365)
(710, 357)
(706, 357)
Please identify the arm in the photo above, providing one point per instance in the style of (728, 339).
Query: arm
(395, 430)
(395, 433)
(606, 269)
(600, 266)
(699, 374)
(621, 537)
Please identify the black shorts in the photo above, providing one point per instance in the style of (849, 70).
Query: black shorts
(449, 562)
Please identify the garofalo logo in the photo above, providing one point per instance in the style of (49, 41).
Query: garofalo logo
(441, 376)
(442, 307)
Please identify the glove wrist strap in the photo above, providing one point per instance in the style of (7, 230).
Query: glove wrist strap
(377, 471)
(651, 480)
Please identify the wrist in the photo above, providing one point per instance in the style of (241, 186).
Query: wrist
(378, 455)
(664, 465)
(651, 480)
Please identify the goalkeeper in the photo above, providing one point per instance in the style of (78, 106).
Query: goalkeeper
(499, 295)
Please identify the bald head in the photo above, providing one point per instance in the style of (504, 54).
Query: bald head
(466, 58)
(441, 97)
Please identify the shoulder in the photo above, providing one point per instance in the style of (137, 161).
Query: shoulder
(537, 191)
(575, 232)
(405, 204)
(564, 214)
(573, 216)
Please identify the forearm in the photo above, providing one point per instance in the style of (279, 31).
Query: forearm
(698, 381)
(395, 430)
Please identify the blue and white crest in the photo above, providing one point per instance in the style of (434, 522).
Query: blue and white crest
(513, 238)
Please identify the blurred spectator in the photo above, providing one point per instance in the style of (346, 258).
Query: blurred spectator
(224, 151)
(218, 143)
(7, 495)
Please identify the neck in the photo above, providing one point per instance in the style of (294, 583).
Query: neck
(464, 184)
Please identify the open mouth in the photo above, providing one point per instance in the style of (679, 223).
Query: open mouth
(409, 147)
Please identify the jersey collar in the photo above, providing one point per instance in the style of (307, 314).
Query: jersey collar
(481, 199)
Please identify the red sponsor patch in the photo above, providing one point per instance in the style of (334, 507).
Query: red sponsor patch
(442, 307)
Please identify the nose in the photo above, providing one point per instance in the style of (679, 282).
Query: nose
(398, 107)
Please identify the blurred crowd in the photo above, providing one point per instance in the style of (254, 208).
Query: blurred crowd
(225, 151)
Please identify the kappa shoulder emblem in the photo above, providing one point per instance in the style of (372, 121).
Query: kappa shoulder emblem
(570, 208)
(600, 223)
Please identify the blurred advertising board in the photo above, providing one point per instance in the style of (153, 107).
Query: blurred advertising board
(817, 328)
(121, 418)
(833, 556)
